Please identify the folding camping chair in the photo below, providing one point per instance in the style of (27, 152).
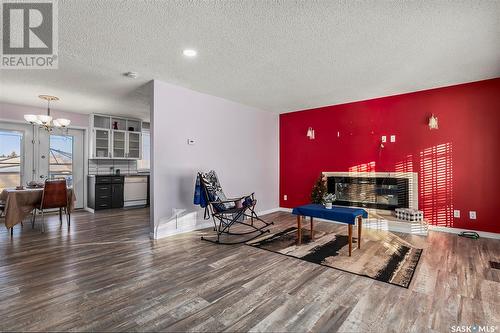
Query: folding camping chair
(227, 212)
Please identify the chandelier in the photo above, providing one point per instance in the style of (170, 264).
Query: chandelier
(45, 120)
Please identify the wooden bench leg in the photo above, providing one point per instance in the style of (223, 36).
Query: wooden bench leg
(312, 229)
(349, 228)
(360, 222)
(299, 232)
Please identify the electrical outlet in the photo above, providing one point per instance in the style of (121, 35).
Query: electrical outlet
(456, 214)
(472, 215)
(384, 138)
(393, 138)
(285, 197)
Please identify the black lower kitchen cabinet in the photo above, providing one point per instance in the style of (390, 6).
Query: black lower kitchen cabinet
(105, 192)
(117, 195)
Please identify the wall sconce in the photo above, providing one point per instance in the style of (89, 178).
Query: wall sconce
(310, 133)
(433, 123)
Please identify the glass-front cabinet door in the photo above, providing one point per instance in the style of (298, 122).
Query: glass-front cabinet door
(101, 143)
(134, 145)
(118, 144)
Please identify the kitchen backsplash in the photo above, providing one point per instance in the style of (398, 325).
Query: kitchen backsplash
(105, 167)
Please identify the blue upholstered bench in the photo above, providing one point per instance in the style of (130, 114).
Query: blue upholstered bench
(336, 214)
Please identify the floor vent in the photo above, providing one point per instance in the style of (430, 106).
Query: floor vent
(494, 264)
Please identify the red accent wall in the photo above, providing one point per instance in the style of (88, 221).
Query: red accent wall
(457, 164)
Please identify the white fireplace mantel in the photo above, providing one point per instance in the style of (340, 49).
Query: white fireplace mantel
(380, 219)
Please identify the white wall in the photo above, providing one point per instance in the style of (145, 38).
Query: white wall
(14, 112)
(239, 142)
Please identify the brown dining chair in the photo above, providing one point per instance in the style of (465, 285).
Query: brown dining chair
(55, 195)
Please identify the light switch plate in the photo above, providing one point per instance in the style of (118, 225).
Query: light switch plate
(472, 215)
(456, 213)
(384, 138)
(393, 138)
(285, 197)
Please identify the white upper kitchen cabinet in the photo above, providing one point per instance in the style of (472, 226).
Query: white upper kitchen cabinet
(115, 137)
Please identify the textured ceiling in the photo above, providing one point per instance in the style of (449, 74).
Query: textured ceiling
(275, 55)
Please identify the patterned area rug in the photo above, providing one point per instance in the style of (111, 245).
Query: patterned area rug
(383, 256)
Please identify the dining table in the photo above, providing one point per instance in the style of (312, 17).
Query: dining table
(20, 203)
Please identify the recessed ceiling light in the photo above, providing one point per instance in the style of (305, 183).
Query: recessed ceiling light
(132, 75)
(189, 53)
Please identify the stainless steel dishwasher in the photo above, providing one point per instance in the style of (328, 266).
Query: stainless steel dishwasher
(135, 191)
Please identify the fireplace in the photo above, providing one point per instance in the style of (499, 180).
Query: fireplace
(377, 190)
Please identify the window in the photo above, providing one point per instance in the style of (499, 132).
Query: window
(61, 158)
(10, 158)
(146, 149)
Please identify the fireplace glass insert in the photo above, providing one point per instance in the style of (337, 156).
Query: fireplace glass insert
(379, 192)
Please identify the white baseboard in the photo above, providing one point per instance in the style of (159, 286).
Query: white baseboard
(269, 211)
(166, 232)
(90, 210)
(170, 228)
(484, 234)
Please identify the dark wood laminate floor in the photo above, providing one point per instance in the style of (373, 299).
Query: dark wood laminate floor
(105, 274)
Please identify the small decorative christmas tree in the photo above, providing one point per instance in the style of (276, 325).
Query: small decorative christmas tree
(318, 190)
